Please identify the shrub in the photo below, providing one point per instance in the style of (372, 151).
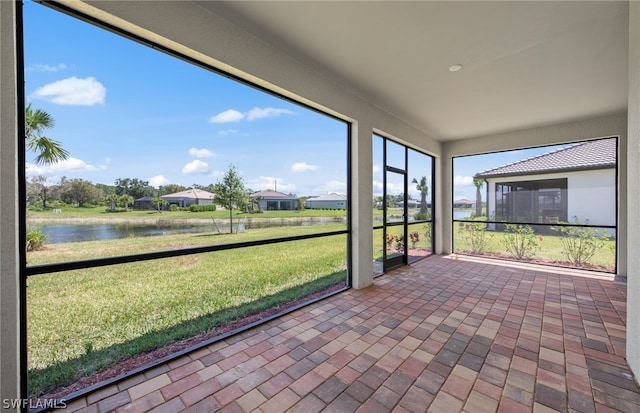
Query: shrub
(201, 208)
(396, 242)
(415, 238)
(579, 244)
(475, 233)
(36, 238)
(427, 230)
(174, 208)
(520, 240)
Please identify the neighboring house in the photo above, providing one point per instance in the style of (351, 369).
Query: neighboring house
(270, 200)
(463, 203)
(143, 203)
(410, 204)
(189, 197)
(332, 201)
(575, 181)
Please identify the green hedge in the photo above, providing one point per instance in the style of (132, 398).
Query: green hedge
(201, 208)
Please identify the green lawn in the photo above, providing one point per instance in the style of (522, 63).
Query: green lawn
(82, 321)
(547, 248)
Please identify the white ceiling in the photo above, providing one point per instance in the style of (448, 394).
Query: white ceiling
(525, 64)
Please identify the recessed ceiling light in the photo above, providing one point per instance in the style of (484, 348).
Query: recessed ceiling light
(455, 68)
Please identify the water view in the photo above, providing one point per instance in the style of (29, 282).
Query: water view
(95, 232)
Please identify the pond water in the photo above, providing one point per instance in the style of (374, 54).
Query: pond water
(462, 213)
(79, 233)
(95, 232)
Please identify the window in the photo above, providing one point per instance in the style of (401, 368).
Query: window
(403, 189)
(543, 201)
(180, 206)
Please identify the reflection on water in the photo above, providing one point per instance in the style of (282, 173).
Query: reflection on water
(96, 232)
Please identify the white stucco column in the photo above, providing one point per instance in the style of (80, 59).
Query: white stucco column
(444, 201)
(633, 192)
(361, 204)
(9, 260)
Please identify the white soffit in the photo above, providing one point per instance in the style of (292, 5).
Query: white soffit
(524, 64)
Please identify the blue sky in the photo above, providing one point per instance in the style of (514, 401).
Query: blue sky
(124, 110)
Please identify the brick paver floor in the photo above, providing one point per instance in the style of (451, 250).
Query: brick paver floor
(443, 335)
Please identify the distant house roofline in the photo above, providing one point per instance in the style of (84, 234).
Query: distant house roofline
(596, 154)
(271, 194)
(191, 194)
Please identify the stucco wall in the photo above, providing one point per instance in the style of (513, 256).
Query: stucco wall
(633, 192)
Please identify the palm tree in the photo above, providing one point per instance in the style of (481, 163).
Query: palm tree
(424, 191)
(159, 203)
(113, 201)
(49, 151)
(478, 182)
(126, 200)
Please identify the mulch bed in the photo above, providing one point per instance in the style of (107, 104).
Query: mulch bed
(541, 261)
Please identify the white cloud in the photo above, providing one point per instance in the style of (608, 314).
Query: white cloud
(201, 153)
(463, 180)
(303, 167)
(395, 188)
(376, 168)
(270, 182)
(46, 68)
(68, 165)
(262, 113)
(158, 180)
(232, 115)
(196, 167)
(228, 132)
(227, 116)
(377, 187)
(73, 91)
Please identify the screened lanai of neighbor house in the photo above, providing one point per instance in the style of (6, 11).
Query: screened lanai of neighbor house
(447, 79)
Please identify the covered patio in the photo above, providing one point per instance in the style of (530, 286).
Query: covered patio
(447, 334)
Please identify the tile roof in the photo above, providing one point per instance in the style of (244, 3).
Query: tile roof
(271, 194)
(328, 197)
(597, 154)
(190, 193)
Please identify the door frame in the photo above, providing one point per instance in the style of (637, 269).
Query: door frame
(396, 260)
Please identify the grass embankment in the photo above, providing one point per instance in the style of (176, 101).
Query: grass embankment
(101, 213)
(82, 321)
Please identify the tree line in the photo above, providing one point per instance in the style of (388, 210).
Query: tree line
(83, 193)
